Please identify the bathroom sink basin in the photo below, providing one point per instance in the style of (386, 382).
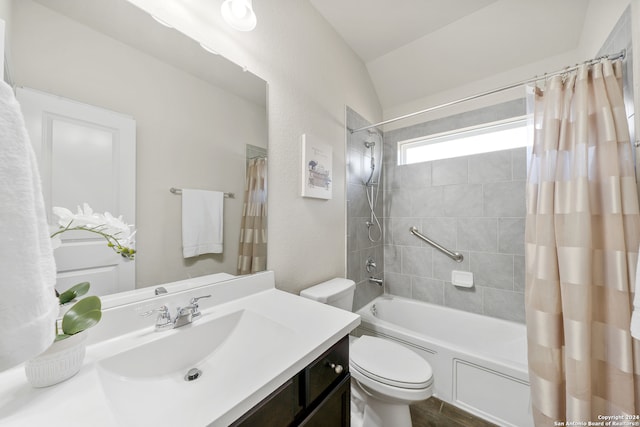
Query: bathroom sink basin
(227, 351)
(181, 348)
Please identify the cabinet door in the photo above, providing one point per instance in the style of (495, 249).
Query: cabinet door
(328, 370)
(334, 410)
(277, 410)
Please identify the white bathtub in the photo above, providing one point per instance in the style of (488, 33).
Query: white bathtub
(479, 363)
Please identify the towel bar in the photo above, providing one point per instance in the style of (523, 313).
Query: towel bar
(179, 191)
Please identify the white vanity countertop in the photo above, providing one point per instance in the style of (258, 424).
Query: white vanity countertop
(309, 329)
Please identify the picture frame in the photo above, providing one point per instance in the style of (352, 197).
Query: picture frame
(317, 172)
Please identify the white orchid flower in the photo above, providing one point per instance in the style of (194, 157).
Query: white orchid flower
(65, 216)
(117, 233)
(86, 216)
(116, 226)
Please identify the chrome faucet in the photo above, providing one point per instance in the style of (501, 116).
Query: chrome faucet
(184, 315)
(376, 280)
(188, 314)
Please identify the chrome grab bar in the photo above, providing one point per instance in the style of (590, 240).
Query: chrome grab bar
(456, 256)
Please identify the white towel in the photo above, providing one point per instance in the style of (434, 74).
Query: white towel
(202, 213)
(28, 306)
(635, 314)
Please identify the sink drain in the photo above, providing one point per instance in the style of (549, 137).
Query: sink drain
(193, 374)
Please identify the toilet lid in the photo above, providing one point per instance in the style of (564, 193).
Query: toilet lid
(389, 363)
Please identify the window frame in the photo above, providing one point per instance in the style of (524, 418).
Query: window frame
(459, 134)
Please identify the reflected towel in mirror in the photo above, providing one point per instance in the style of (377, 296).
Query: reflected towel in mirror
(202, 222)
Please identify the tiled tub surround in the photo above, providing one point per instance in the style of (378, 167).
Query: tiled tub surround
(359, 248)
(474, 205)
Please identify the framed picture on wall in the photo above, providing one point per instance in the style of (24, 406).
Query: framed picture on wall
(317, 160)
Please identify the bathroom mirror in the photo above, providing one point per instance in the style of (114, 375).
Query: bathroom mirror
(198, 116)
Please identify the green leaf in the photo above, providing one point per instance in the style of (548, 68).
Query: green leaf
(83, 315)
(74, 292)
(61, 337)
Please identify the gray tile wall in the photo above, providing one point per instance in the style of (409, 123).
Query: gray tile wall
(474, 205)
(359, 248)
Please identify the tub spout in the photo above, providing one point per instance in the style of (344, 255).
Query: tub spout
(375, 280)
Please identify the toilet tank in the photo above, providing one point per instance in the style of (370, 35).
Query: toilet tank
(337, 292)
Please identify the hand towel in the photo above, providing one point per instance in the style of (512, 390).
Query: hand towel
(202, 213)
(635, 314)
(28, 306)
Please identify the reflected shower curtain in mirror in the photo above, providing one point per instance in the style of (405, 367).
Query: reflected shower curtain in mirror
(582, 236)
(252, 255)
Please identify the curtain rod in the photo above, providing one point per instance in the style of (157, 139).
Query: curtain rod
(612, 57)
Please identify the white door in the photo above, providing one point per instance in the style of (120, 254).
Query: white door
(85, 154)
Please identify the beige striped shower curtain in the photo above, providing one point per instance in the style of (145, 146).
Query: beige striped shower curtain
(582, 236)
(252, 256)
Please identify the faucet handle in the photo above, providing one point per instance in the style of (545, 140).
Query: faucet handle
(194, 301)
(162, 310)
(195, 313)
(164, 317)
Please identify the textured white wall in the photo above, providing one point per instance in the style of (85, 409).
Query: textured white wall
(312, 75)
(600, 19)
(5, 8)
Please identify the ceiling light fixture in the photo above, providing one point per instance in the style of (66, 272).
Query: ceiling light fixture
(239, 14)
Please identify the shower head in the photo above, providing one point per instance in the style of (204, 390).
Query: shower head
(369, 142)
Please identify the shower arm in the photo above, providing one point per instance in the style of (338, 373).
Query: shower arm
(456, 256)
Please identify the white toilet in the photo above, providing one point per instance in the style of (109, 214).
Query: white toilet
(385, 376)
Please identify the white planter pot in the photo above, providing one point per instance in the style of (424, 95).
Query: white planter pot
(59, 362)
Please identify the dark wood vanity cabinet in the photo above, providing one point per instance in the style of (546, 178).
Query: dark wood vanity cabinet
(334, 410)
(318, 396)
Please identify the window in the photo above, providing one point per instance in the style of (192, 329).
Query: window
(496, 136)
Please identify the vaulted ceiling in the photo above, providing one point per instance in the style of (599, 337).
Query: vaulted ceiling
(416, 48)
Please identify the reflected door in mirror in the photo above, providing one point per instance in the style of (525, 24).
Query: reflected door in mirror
(85, 154)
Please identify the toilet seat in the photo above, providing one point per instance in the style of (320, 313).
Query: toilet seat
(389, 363)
